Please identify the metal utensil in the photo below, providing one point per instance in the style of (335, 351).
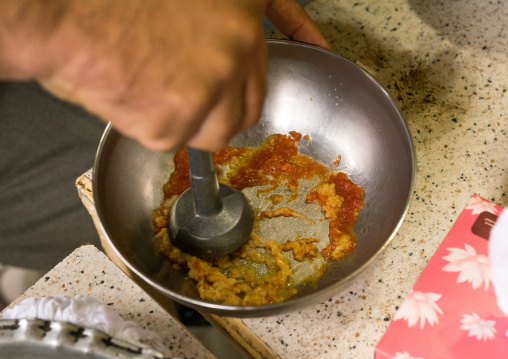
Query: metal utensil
(343, 109)
(208, 219)
(32, 338)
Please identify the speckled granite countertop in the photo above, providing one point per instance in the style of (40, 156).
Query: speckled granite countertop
(446, 64)
(87, 271)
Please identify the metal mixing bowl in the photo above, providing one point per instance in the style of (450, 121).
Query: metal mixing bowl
(312, 91)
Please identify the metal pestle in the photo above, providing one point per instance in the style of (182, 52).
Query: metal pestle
(209, 219)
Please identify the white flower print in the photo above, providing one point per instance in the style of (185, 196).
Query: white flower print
(479, 205)
(404, 355)
(480, 328)
(473, 268)
(420, 307)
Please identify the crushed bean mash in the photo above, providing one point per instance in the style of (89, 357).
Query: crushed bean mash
(260, 272)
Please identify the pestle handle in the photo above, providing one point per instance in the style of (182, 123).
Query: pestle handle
(204, 183)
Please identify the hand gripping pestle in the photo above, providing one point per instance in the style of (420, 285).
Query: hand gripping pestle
(209, 219)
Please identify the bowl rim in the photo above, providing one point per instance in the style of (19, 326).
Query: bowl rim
(294, 303)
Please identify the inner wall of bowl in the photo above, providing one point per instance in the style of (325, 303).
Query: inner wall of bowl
(344, 111)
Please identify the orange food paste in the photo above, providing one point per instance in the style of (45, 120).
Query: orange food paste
(259, 272)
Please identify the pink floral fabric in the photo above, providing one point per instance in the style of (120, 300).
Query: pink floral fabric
(451, 311)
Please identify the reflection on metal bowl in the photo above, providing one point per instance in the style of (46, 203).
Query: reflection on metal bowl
(310, 90)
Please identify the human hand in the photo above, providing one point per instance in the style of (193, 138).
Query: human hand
(163, 72)
(292, 20)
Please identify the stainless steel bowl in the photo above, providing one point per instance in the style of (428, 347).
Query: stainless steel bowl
(312, 91)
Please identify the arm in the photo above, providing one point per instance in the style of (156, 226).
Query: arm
(163, 72)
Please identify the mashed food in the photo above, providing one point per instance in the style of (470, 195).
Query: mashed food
(268, 268)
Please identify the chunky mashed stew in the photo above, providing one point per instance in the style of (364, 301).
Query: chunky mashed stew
(260, 272)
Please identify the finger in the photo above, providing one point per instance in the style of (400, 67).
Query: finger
(292, 20)
(161, 129)
(255, 87)
(224, 120)
(147, 124)
(155, 130)
(164, 122)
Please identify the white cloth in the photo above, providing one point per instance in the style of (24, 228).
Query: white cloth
(498, 254)
(90, 313)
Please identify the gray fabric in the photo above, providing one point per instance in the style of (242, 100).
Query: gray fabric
(45, 144)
